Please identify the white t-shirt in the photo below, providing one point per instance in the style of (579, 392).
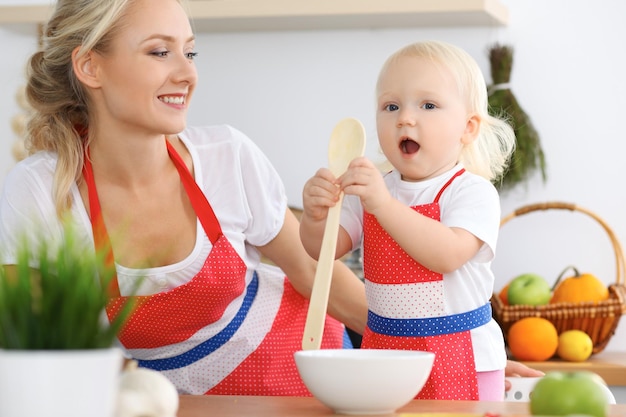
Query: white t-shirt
(243, 188)
(470, 202)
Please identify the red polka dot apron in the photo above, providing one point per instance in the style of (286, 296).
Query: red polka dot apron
(406, 311)
(216, 334)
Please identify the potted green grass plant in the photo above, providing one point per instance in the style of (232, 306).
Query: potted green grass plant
(57, 348)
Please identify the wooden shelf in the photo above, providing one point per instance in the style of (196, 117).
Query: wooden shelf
(24, 14)
(264, 15)
(611, 366)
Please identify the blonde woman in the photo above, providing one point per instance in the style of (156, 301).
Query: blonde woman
(189, 210)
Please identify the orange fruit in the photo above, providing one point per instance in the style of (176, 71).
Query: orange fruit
(533, 339)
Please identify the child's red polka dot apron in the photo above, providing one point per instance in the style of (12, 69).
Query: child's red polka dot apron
(216, 334)
(392, 277)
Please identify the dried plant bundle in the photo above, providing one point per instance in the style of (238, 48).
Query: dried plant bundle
(528, 156)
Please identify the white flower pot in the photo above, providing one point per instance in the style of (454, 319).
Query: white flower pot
(59, 383)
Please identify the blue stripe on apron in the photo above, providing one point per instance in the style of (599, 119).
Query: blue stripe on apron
(209, 346)
(347, 342)
(431, 326)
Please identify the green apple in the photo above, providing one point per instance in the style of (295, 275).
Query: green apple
(565, 393)
(529, 289)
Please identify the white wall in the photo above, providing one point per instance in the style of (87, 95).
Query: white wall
(286, 90)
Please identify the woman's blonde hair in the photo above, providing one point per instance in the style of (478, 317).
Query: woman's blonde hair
(60, 102)
(489, 154)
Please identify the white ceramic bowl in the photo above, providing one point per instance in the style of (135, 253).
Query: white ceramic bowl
(364, 381)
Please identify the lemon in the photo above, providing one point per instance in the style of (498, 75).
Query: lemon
(574, 346)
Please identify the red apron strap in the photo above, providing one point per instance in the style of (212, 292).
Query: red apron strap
(200, 204)
(459, 172)
(100, 234)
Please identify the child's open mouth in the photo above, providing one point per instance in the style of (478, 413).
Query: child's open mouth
(409, 146)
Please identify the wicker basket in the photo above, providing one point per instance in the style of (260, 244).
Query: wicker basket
(598, 320)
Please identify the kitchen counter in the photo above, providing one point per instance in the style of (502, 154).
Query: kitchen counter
(240, 406)
(611, 366)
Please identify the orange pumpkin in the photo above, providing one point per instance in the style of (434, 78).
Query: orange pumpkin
(578, 288)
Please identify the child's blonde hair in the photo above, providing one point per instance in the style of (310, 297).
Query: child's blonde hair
(490, 153)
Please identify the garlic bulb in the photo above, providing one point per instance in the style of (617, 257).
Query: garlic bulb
(145, 393)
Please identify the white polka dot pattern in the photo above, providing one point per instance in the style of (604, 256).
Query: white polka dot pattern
(258, 358)
(406, 300)
(204, 374)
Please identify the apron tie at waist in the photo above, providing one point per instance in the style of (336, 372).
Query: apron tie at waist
(431, 326)
(212, 344)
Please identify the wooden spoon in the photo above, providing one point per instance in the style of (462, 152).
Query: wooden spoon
(347, 141)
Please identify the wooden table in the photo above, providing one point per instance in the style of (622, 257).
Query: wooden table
(611, 366)
(248, 406)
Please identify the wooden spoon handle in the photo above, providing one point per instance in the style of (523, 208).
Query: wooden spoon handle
(316, 315)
